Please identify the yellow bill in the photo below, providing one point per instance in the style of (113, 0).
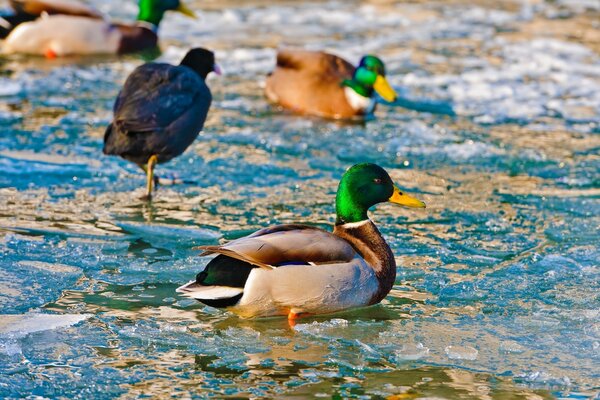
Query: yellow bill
(405, 200)
(186, 11)
(383, 88)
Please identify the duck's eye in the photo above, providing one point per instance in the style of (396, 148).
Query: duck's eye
(377, 181)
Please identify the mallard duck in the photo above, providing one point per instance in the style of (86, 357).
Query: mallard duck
(62, 35)
(30, 10)
(295, 269)
(322, 84)
(160, 111)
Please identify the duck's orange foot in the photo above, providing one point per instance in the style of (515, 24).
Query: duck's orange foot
(50, 54)
(293, 317)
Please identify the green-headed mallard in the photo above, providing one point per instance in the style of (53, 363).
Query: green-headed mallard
(322, 84)
(160, 111)
(62, 35)
(296, 269)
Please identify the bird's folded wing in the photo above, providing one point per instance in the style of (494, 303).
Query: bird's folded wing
(287, 244)
(66, 7)
(154, 96)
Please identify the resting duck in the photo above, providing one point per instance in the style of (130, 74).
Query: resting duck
(322, 84)
(62, 35)
(295, 269)
(30, 10)
(160, 111)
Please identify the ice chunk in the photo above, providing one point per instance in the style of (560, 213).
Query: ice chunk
(175, 232)
(461, 352)
(10, 348)
(317, 328)
(511, 347)
(17, 326)
(411, 351)
(9, 88)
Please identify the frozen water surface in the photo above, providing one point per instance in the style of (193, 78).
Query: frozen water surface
(497, 292)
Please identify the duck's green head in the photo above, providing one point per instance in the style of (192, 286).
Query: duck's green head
(369, 76)
(153, 11)
(363, 186)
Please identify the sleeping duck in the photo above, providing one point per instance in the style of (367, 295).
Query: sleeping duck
(61, 35)
(322, 84)
(296, 269)
(30, 10)
(160, 111)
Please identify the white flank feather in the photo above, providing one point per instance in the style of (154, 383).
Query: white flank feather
(63, 35)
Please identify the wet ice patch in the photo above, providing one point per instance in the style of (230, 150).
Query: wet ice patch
(9, 87)
(319, 328)
(177, 233)
(51, 267)
(509, 346)
(244, 61)
(18, 326)
(461, 353)
(411, 352)
(537, 78)
(21, 279)
(543, 377)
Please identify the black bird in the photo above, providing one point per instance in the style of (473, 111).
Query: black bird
(160, 111)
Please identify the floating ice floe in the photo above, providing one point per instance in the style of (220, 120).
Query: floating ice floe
(175, 232)
(20, 325)
(9, 88)
(461, 352)
(411, 352)
(537, 78)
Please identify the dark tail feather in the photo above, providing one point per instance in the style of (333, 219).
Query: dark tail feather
(287, 60)
(107, 149)
(221, 284)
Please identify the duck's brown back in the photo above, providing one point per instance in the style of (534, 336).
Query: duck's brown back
(310, 82)
(51, 7)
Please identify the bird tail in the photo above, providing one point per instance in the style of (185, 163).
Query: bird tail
(213, 295)
(107, 149)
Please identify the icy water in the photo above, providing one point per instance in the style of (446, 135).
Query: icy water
(498, 286)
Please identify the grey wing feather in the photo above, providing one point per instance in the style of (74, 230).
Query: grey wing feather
(283, 244)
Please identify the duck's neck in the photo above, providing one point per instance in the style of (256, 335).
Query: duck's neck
(366, 239)
(359, 96)
(360, 103)
(149, 13)
(358, 87)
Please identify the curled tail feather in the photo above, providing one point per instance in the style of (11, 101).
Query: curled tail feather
(107, 149)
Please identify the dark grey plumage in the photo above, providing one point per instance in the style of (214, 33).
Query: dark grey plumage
(160, 110)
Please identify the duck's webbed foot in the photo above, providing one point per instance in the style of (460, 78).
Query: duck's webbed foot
(294, 316)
